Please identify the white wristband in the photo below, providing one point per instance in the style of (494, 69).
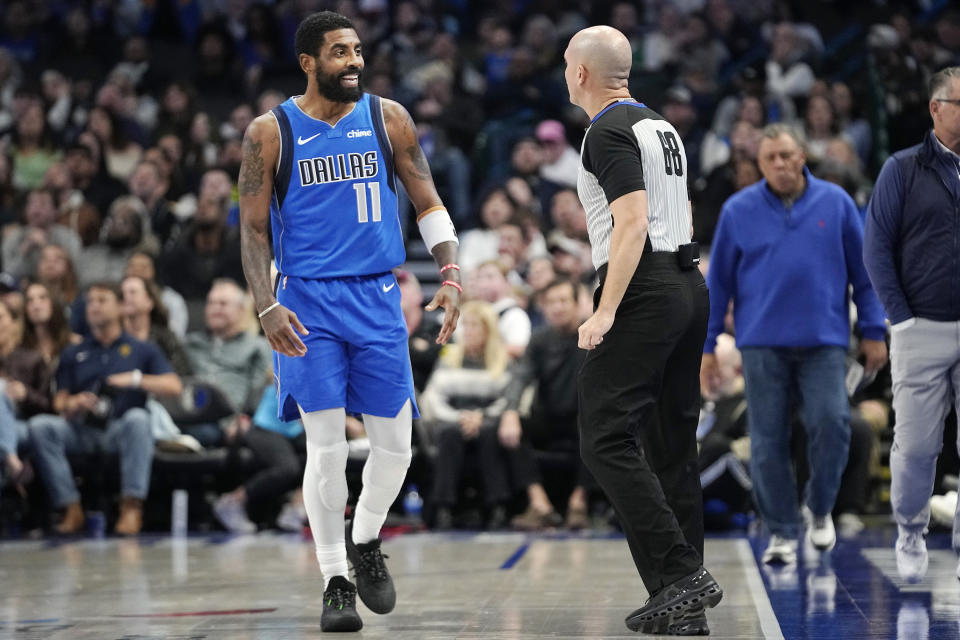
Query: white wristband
(136, 378)
(436, 227)
(268, 310)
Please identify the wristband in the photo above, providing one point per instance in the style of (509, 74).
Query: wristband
(436, 227)
(136, 378)
(268, 310)
(455, 285)
(449, 266)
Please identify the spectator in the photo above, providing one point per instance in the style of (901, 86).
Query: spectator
(911, 254)
(149, 183)
(46, 329)
(277, 447)
(848, 121)
(33, 148)
(561, 161)
(462, 406)
(141, 265)
(821, 127)
(26, 392)
(85, 163)
(22, 246)
(793, 326)
(125, 230)
(478, 245)
(551, 363)
(206, 250)
(788, 74)
(228, 357)
(73, 211)
(55, 269)
(491, 285)
(8, 208)
(102, 388)
(120, 154)
(145, 318)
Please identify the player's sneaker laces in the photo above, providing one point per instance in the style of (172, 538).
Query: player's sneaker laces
(340, 607)
(374, 584)
(912, 557)
(780, 550)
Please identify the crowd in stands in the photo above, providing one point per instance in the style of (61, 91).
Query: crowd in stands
(125, 328)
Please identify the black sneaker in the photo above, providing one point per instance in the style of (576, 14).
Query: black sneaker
(340, 607)
(675, 601)
(694, 623)
(373, 580)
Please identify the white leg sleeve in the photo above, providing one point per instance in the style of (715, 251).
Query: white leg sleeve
(325, 487)
(384, 471)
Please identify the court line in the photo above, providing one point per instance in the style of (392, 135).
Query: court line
(182, 614)
(515, 557)
(768, 619)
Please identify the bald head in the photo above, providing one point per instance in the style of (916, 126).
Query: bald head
(604, 52)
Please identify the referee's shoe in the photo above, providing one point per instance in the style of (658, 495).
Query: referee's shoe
(676, 601)
(374, 584)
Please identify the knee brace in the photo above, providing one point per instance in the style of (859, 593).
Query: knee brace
(383, 475)
(330, 466)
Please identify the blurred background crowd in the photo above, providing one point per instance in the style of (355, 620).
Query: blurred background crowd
(120, 132)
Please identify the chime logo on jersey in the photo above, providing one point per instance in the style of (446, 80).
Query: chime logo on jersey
(338, 168)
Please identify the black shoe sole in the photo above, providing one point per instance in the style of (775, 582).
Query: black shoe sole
(377, 603)
(342, 622)
(673, 611)
(693, 624)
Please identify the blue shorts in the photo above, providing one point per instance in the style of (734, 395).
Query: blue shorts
(357, 352)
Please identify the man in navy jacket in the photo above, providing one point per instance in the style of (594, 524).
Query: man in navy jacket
(785, 251)
(912, 253)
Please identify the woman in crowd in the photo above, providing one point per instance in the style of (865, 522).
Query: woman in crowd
(141, 264)
(462, 405)
(25, 380)
(33, 150)
(45, 329)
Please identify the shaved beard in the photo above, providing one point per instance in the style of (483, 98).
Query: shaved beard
(330, 88)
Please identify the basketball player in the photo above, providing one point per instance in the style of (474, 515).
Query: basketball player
(640, 383)
(322, 168)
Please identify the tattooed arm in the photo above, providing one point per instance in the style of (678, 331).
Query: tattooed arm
(261, 148)
(413, 170)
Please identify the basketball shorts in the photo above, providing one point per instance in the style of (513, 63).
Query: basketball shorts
(357, 352)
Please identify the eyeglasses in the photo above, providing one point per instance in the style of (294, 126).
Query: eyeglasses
(954, 101)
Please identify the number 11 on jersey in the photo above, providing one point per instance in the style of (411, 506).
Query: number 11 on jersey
(361, 191)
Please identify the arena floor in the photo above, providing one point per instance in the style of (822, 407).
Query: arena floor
(455, 586)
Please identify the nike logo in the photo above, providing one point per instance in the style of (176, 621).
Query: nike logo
(302, 140)
(386, 288)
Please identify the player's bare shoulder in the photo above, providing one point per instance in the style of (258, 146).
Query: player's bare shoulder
(261, 148)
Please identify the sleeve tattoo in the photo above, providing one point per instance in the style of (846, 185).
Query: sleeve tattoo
(251, 178)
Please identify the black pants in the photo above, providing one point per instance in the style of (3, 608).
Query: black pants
(281, 468)
(452, 450)
(639, 405)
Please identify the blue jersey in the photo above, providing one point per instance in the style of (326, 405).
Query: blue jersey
(335, 209)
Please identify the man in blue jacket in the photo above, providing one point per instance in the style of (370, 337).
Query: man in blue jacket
(912, 253)
(785, 251)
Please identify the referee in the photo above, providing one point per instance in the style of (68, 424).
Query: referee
(639, 385)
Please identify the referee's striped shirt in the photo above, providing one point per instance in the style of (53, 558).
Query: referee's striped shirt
(630, 147)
